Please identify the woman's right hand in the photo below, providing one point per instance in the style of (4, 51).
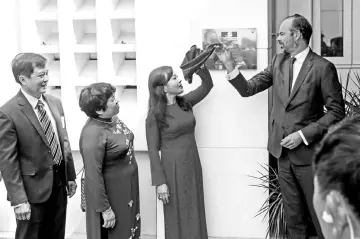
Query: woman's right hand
(163, 193)
(109, 218)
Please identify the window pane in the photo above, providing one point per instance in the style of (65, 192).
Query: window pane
(332, 28)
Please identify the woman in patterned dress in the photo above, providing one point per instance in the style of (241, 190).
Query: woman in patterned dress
(111, 171)
(177, 174)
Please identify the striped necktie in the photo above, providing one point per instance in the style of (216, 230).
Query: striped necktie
(49, 133)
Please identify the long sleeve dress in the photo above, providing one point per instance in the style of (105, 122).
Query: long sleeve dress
(111, 178)
(179, 167)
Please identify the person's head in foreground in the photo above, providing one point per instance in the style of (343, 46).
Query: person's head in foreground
(98, 100)
(336, 166)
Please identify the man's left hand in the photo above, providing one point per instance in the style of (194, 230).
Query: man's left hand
(72, 188)
(292, 140)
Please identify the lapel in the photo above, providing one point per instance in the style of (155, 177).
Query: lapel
(54, 110)
(28, 111)
(286, 76)
(306, 66)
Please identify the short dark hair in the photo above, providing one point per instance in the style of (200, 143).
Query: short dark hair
(300, 23)
(336, 162)
(24, 64)
(95, 97)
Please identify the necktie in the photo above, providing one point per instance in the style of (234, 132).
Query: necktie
(292, 60)
(49, 133)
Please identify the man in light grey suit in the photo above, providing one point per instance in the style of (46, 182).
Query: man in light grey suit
(35, 157)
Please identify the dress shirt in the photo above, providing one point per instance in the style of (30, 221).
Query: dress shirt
(300, 58)
(33, 102)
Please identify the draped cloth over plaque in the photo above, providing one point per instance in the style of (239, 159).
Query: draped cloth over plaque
(194, 59)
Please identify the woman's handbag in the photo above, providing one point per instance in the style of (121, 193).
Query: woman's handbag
(82, 189)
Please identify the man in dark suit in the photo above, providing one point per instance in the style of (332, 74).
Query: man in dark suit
(35, 157)
(303, 84)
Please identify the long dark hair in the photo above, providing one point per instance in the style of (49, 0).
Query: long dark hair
(157, 97)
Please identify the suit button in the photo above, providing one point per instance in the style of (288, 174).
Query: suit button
(283, 127)
(51, 167)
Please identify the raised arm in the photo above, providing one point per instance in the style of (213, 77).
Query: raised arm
(153, 142)
(256, 84)
(92, 148)
(195, 96)
(9, 163)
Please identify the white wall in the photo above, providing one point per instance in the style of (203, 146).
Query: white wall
(9, 47)
(231, 131)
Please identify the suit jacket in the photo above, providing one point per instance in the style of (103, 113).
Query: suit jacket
(25, 156)
(316, 86)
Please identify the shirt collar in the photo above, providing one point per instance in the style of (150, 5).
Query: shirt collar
(302, 55)
(32, 100)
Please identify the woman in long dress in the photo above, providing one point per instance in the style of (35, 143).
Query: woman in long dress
(111, 171)
(177, 174)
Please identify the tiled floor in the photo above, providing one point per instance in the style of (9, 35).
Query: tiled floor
(10, 235)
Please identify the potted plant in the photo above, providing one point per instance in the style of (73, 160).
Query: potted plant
(273, 205)
(268, 177)
(351, 91)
